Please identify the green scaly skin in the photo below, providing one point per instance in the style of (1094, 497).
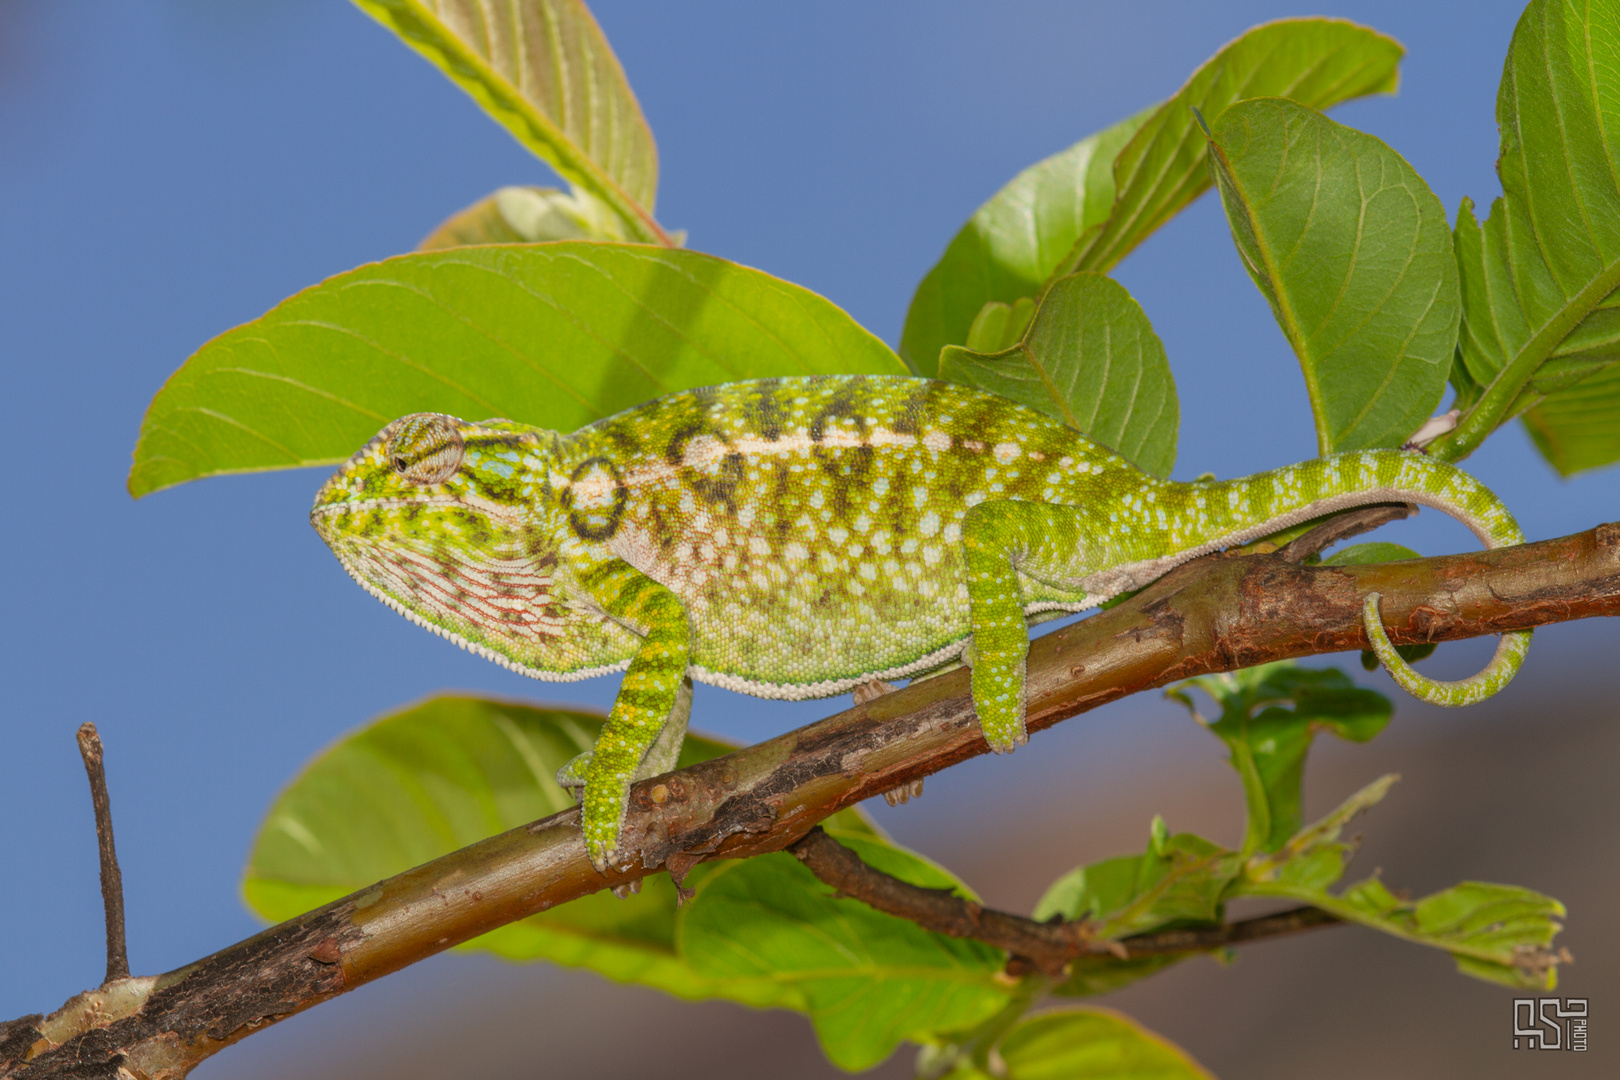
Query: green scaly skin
(796, 538)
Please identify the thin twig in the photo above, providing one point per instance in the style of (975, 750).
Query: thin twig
(112, 882)
(1040, 946)
(1343, 526)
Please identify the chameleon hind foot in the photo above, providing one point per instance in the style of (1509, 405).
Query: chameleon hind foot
(1495, 675)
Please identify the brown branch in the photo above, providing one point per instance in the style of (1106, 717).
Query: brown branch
(112, 882)
(1047, 947)
(1216, 614)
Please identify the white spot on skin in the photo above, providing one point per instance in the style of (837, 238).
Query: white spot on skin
(1007, 451)
(758, 546)
(929, 524)
(937, 441)
(701, 450)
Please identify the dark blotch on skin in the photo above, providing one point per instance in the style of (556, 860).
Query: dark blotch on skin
(583, 527)
(844, 404)
(765, 411)
(722, 490)
(676, 450)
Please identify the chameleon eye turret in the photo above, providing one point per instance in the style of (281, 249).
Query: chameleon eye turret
(426, 448)
(800, 537)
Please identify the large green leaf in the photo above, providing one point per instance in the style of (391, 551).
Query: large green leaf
(1579, 428)
(1089, 206)
(1317, 62)
(556, 335)
(545, 72)
(1539, 277)
(1092, 1044)
(526, 215)
(1353, 252)
(447, 772)
(1089, 358)
(868, 980)
(1011, 244)
(1269, 717)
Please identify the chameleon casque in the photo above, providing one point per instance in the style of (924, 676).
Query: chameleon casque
(798, 537)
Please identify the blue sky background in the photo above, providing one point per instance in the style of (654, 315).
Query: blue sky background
(171, 168)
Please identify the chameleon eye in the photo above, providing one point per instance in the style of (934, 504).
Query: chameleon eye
(427, 448)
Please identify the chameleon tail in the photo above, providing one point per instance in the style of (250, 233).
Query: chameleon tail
(1299, 492)
(1498, 673)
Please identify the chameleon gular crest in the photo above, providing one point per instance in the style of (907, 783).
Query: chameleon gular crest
(799, 537)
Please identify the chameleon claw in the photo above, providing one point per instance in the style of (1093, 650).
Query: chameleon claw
(904, 793)
(871, 691)
(627, 889)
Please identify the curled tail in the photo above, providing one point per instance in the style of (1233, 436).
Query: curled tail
(1335, 483)
(1495, 675)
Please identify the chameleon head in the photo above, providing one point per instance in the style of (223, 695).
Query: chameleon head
(444, 521)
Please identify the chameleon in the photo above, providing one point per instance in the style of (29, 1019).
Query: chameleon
(801, 537)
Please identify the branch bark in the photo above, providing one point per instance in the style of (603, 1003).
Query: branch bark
(1047, 947)
(1216, 614)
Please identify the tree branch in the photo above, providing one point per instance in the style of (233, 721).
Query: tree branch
(1047, 947)
(1216, 614)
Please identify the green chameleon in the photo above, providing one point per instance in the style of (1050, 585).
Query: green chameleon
(800, 537)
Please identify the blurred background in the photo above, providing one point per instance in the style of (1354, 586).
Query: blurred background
(171, 168)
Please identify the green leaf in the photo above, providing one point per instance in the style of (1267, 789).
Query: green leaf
(1314, 61)
(1269, 717)
(1313, 858)
(1092, 1044)
(1353, 252)
(1366, 554)
(434, 777)
(1089, 358)
(869, 980)
(544, 71)
(1179, 879)
(526, 215)
(1089, 206)
(556, 335)
(1579, 428)
(1011, 244)
(1539, 277)
(1501, 933)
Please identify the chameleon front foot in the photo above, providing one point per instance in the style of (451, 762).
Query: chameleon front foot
(1495, 675)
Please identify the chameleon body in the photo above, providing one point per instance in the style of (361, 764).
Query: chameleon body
(798, 537)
